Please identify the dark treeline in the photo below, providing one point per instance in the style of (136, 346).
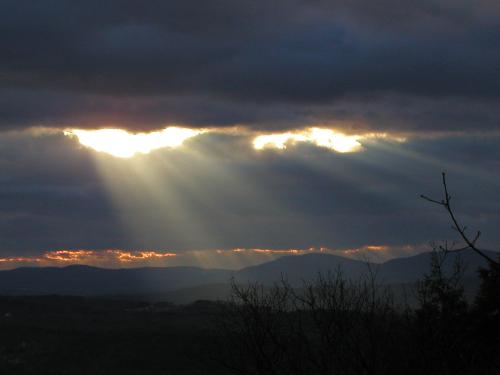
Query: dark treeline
(333, 325)
(61, 335)
(329, 325)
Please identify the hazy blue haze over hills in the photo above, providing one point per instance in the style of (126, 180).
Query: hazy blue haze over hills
(85, 280)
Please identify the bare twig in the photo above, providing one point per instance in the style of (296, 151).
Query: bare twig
(471, 243)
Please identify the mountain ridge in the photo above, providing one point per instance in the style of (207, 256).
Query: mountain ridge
(90, 280)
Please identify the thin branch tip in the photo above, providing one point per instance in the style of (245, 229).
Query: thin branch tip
(471, 244)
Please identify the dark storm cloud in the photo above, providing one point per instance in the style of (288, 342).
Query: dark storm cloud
(381, 113)
(218, 192)
(50, 194)
(268, 65)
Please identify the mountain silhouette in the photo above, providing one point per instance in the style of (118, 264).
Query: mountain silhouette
(86, 280)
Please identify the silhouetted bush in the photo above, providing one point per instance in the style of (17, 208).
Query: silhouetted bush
(487, 315)
(333, 325)
(330, 325)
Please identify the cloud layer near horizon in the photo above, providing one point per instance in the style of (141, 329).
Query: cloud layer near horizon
(218, 192)
(208, 258)
(427, 70)
(388, 66)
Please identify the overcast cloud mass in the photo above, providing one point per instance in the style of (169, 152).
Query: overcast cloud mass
(426, 71)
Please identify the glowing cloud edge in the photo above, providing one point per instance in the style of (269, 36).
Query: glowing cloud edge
(122, 144)
(320, 137)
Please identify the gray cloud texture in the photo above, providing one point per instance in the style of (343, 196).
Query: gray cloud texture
(429, 68)
(215, 192)
(268, 65)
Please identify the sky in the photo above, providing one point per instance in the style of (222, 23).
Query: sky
(226, 133)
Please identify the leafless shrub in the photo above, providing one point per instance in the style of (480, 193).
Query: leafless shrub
(328, 325)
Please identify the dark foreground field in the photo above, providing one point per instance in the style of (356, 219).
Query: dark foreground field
(76, 335)
(329, 325)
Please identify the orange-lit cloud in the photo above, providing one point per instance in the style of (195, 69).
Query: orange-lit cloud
(68, 255)
(107, 258)
(215, 258)
(19, 260)
(376, 253)
(311, 250)
(267, 251)
(366, 248)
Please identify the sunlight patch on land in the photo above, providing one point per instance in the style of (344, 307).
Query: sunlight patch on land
(122, 144)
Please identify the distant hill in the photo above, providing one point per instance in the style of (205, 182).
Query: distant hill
(85, 280)
(297, 268)
(403, 270)
(189, 283)
(400, 270)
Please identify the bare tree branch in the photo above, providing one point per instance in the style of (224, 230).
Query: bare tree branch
(471, 243)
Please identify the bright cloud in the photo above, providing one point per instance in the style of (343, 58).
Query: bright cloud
(122, 144)
(320, 137)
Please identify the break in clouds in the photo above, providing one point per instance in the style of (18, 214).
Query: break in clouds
(217, 192)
